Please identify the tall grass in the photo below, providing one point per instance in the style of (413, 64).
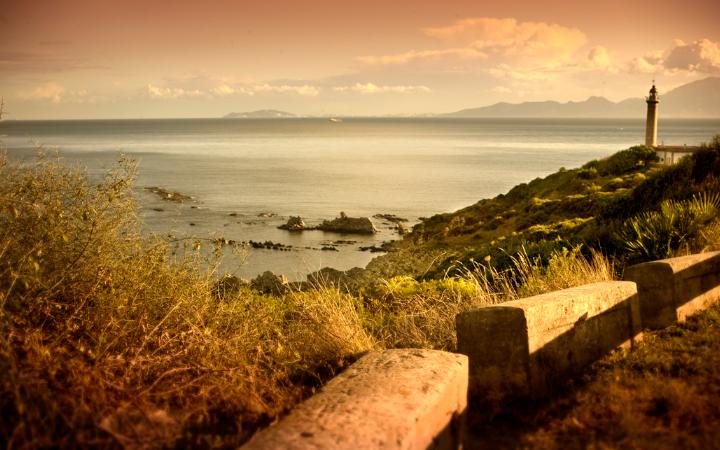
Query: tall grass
(409, 313)
(105, 340)
(109, 338)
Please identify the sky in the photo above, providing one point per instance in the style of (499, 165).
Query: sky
(73, 59)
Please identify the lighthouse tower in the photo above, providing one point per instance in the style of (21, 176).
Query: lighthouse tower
(652, 116)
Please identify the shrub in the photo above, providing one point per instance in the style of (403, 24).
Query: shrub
(624, 161)
(587, 173)
(660, 234)
(107, 340)
(410, 313)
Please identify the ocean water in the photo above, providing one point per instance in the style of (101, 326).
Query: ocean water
(247, 176)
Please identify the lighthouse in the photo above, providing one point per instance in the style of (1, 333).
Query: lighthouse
(651, 125)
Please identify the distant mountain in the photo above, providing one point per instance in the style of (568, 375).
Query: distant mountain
(260, 114)
(697, 99)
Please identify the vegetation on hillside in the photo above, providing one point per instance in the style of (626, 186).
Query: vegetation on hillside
(109, 338)
(598, 206)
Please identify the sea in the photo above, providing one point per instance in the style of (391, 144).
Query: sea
(246, 177)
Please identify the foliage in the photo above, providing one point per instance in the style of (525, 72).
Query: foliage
(623, 161)
(661, 234)
(107, 341)
(111, 339)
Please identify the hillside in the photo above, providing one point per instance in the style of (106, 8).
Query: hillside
(588, 206)
(696, 99)
(96, 313)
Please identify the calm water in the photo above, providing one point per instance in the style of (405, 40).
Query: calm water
(316, 168)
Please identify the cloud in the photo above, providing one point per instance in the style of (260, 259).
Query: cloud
(28, 62)
(644, 64)
(510, 38)
(371, 88)
(504, 71)
(193, 87)
(492, 41)
(168, 93)
(57, 93)
(49, 91)
(224, 90)
(702, 56)
(599, 57)
(425, 55)
(304, 90)
(501, 90)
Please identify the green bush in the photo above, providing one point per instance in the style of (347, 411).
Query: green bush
(625, 161)
(660, 234)
(587, 173)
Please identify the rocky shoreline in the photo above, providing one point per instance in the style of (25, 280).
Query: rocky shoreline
(271, 281)
(342, 224)
(398, 261)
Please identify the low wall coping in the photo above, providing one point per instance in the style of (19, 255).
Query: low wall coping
(392, 399)
(674, 288)
(686, 266)
(525, 347)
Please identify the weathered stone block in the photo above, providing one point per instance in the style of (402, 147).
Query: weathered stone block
(671, 289)
(394, 399)
(527, 346)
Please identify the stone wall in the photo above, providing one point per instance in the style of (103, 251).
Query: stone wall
(524, 347)
(417, 399)
(672, 289)
(529, 346)
(394, 399)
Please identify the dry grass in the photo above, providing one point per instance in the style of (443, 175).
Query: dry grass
(662, 396)
(105, 341)
(409, 313)
(109, 338)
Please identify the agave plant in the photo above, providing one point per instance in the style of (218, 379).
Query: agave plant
(660, 234)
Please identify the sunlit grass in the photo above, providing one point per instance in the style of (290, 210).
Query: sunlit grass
(663, 395)
(111, 338)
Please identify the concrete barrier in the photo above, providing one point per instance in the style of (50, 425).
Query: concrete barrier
(394, 399)
(672, 289)
(525, 347)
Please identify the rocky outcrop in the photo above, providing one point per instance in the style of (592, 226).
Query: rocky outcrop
(294, 223)
(229, 286)
(402, 229)
(390, 218)
(342, 224)
(168, 195)
(270, 245)
(329, 277)
(350, 225)
(270, 283)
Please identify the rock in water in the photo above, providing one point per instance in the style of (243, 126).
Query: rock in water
(390, 218)
(228, 286)
(345, 224)
(401, 228)
(294, 223)
(329, 277)
(270, 283)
